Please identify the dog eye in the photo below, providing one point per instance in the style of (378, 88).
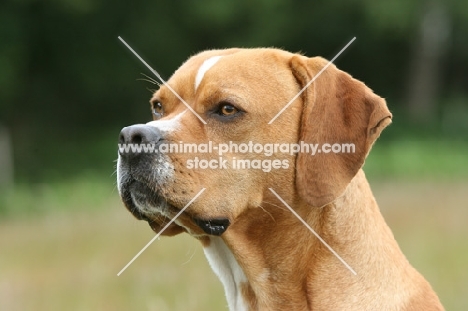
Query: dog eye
(157, 109)
(226, 109)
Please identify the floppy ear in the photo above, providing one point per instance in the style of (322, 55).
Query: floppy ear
(337, 110)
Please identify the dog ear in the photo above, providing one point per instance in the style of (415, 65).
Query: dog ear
(337, 110)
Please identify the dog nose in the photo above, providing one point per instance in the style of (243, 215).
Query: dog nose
(137, 135)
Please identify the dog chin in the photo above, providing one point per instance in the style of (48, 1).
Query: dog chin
(148, 205)
(142, 201)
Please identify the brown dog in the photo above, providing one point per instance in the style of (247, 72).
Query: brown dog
(264, 256)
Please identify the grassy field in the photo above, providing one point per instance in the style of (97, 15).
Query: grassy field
(62, 244)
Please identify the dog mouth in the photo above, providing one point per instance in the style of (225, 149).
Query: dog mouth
(140, 199)
(148, 205)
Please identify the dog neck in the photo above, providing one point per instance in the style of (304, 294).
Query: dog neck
(228, 270)
(268, 260)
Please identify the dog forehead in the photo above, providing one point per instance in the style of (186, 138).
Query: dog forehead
(233, 63)
(205, 66)
(241, 66)
(207, 59)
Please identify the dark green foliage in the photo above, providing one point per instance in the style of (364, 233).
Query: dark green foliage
(68, 85)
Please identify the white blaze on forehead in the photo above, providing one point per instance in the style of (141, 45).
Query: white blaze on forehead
(207, 64)
(168, 125)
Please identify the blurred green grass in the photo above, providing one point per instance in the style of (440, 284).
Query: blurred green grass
(418, 160)
(63, 243)
(67, 257)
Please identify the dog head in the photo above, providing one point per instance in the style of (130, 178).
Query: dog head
(236, 92)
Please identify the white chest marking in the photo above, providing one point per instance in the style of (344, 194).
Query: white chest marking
(207, 64)
(167, 126)
(227, 269)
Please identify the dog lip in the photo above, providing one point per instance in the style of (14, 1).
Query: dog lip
(131, 190)
(215, 226)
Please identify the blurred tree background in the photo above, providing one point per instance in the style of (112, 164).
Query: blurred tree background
(68, 86)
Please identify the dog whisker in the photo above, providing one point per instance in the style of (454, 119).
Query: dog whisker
(267, 212)
(146, 80)
(114, 188)
(150, 80)
(280, 207)
(191, 256)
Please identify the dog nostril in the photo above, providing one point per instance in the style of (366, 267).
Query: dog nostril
(136, 138)
(121, 139)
